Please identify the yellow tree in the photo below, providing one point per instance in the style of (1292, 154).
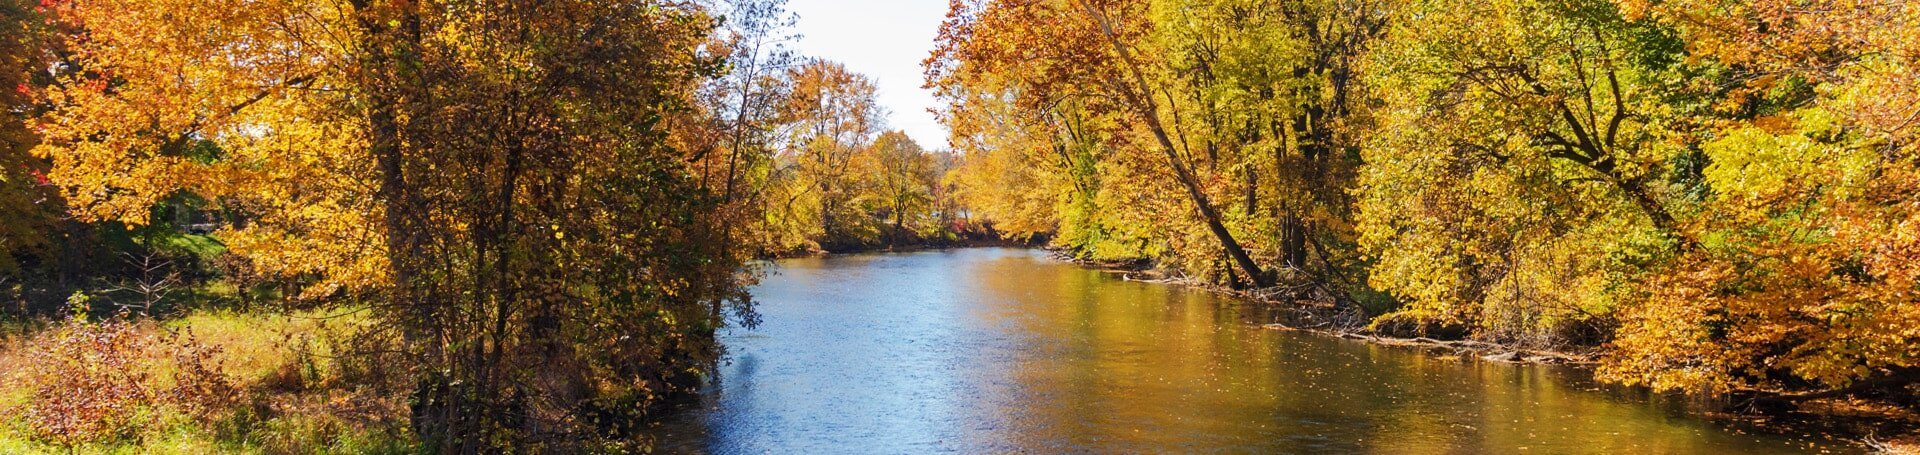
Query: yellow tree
(1517, 178)
(262, 125)
(1047, 53)
(1011, 177)
(905, 183)
(833, 118)
(743, 114)
(1228, 110)
(1269, 91)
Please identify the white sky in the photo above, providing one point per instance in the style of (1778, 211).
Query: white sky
(885, 40)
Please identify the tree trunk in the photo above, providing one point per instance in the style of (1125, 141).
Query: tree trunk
(1253, 191)
(899, 220)
(395, 37)
(1293, 241)
(1204, 206)
(1141, 97)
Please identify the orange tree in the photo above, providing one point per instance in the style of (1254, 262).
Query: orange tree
(1806, 278)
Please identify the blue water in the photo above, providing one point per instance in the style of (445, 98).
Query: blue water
(1005, 350)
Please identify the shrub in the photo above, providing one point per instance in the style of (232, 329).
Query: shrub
(90, 382)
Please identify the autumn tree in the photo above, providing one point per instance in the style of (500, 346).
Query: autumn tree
(1017, 176)
(1805, 277)
(1227, 110)
(501, 178)
(1272, 89)
(832, 119)
(743, 120)
(29, 211)
(906, 180)
(1710, 186)
(1517, 179)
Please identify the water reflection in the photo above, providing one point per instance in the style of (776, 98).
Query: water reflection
(1003, 350)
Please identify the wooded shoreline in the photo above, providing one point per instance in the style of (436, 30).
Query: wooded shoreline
(1784, 412)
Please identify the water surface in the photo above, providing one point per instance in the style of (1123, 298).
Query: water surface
(1005, 350)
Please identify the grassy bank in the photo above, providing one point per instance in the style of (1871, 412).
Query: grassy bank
(207, 382)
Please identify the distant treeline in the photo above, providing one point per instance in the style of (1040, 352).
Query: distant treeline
(838, 183)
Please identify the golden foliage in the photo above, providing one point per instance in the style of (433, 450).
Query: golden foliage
(249, 103)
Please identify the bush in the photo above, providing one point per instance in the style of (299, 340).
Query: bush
(89, 382)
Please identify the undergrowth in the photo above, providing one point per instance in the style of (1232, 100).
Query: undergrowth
(206, 382)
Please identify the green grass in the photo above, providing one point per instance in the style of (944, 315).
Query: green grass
(204, 247)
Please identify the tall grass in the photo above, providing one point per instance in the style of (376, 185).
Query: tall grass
(207, 382)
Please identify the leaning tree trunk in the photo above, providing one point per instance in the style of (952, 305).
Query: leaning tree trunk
(1208, 213)
(1141, 100)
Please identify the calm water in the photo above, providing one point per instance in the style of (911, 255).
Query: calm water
(1004, 350)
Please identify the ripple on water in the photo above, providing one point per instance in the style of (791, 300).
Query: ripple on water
(1004, 350)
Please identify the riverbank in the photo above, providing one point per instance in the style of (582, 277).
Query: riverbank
(1880, 425)
(983, 241)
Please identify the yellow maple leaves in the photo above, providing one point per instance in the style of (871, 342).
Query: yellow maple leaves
(246, 103)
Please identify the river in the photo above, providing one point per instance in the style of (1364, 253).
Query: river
(1004, 350)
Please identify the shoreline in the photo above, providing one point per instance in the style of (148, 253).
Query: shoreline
(1863, 422)
(908, 247)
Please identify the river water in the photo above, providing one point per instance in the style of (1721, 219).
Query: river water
(1005, 350)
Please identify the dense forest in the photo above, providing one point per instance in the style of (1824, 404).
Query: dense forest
(407, 226)
(1717, 194)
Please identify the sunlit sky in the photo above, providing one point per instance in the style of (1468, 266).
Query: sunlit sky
(885, 40)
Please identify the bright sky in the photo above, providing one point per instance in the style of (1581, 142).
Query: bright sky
(885, 40)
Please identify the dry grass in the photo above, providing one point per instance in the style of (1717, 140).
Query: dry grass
(293, 393)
